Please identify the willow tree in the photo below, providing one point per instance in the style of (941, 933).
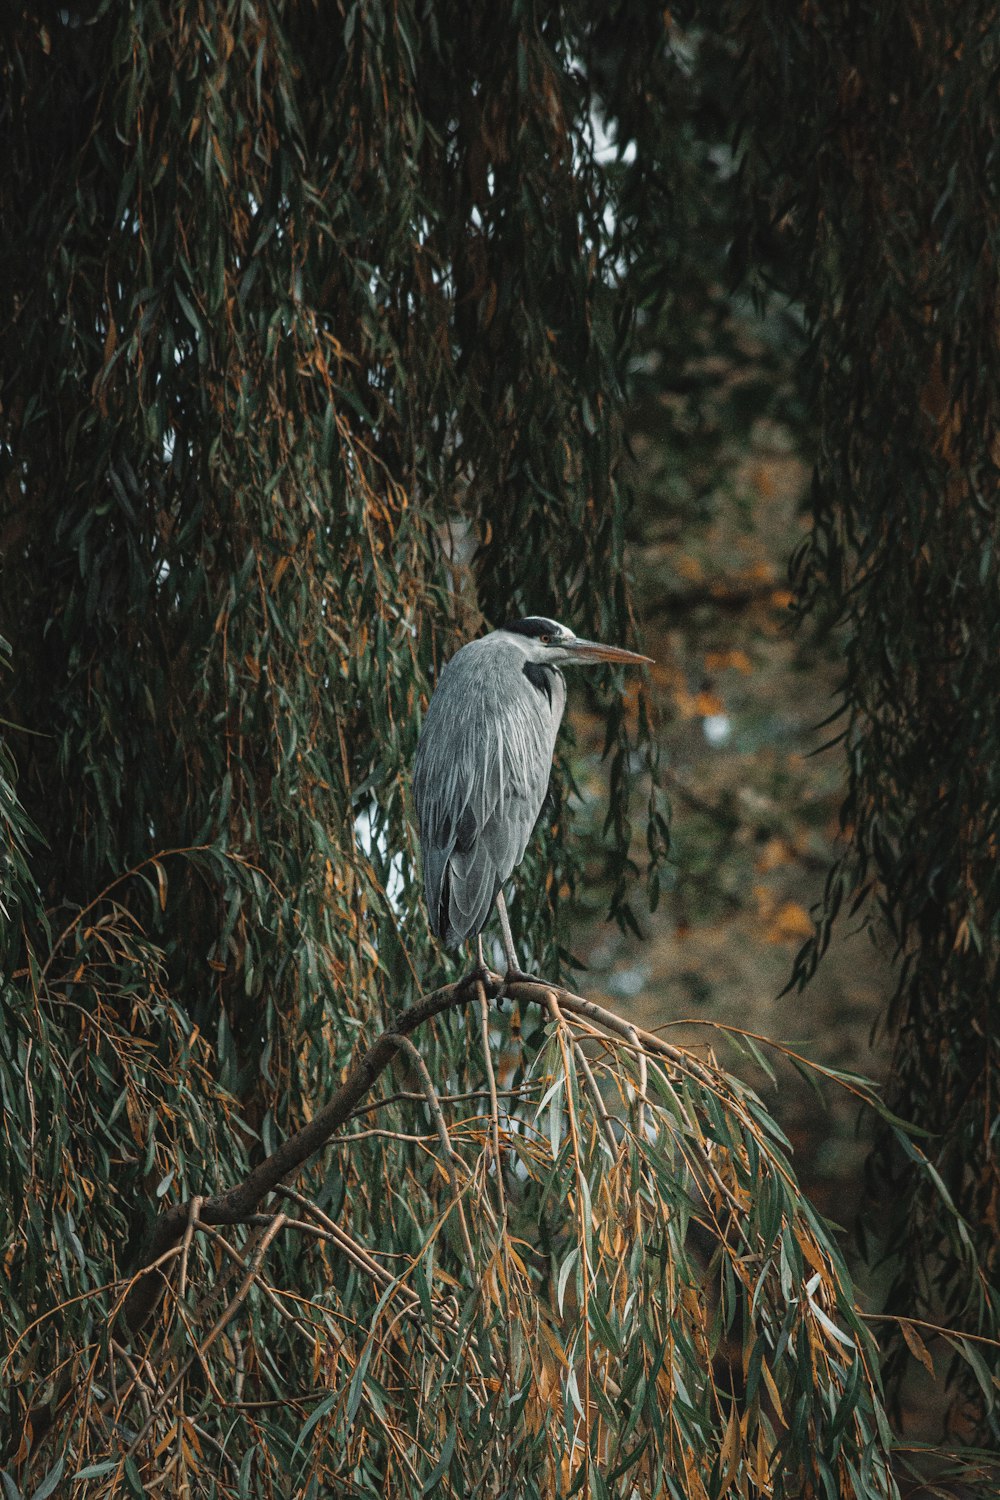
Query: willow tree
(872, 159)
(315, 321)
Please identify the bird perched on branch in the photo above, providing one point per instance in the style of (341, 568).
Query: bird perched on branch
(482, 769)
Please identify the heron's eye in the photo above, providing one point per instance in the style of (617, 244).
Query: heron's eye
(546, 640)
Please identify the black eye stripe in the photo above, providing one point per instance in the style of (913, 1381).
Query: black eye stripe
(536, 627)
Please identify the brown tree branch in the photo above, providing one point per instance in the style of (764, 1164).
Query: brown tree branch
(243, 1199)
(239, 1203)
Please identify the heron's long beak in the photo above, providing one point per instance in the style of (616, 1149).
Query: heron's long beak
(584, 651)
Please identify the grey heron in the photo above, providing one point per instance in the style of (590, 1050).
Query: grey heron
(482, 769)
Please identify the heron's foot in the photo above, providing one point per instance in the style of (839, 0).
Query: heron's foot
(482, 974)
(515, 975)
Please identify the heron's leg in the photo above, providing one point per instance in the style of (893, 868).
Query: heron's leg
(484, 970)
(508, 936)
(514, 970)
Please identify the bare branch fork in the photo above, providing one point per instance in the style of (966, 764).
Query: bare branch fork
(238, 1204)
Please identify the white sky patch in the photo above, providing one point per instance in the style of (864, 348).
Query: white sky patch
(374, 845)
(606, 143)
(608, 151)
(716, 728)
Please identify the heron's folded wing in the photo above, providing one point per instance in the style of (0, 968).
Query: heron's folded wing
(479, 782)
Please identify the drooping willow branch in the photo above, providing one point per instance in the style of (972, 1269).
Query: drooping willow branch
(243, 1199)
(238, 1203)
(687, 1136)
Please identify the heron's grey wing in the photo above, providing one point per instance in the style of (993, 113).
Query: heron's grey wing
(480, 778)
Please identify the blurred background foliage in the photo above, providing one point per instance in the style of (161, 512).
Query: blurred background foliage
(819, 388)
(882, 216)
(333, 336)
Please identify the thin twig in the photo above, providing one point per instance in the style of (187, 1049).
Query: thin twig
(600, 1108)
(193, 1210)
(405, 1096)
(484, 1015)
(643, 1085)
(562, 1030)
(453, 1162)
(384, 1135)
(239, 1378)
(225, 1317)
(328, 1228)
(240, 1263)
(138, 1384)
(590, 1082)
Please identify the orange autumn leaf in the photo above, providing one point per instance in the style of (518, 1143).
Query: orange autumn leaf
(789, 921)
(721, 661)
(706, 704)
(775, 852)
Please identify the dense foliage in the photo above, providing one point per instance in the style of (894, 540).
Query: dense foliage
(872, 155)
(317, 323)
(315, 333)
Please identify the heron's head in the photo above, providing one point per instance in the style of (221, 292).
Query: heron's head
(550, 644)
